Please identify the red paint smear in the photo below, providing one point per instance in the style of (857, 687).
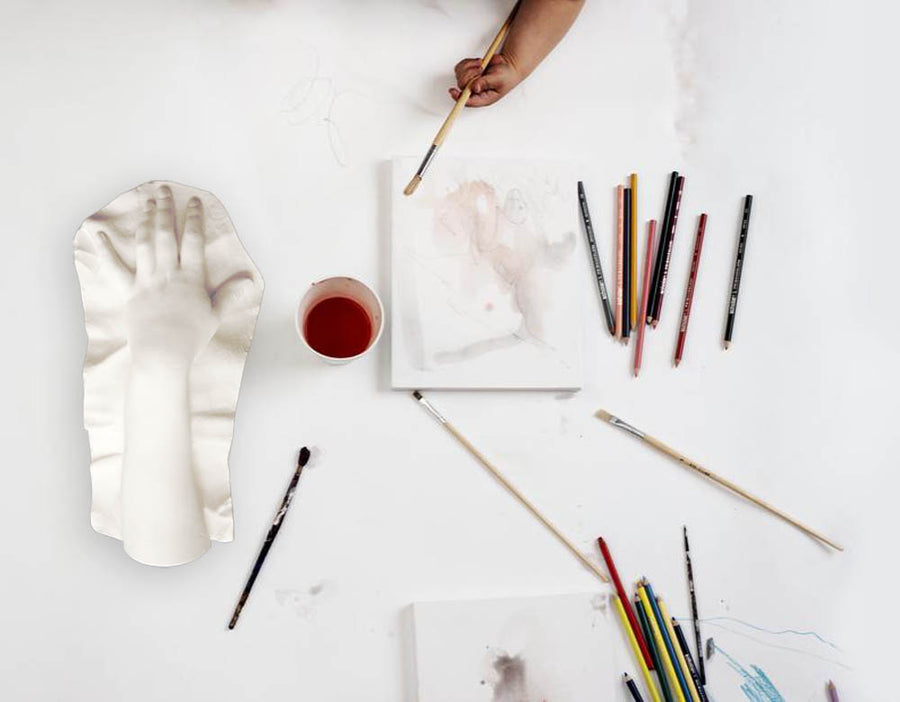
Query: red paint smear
(338, 327)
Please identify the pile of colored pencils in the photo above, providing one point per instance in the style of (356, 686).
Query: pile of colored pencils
(657, 642)
(625, 310)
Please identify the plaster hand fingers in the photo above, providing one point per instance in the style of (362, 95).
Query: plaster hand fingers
(193, 240)
(166, 246)
(110, 261)
(144, 257)
(232, 294)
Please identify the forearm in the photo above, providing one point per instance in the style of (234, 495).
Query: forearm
(162, 515)
(537, 28)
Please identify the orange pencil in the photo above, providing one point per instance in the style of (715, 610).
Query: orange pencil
(620, 268)
(639, 346)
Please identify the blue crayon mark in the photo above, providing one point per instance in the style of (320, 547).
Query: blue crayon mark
(776, 632)
(756, 685)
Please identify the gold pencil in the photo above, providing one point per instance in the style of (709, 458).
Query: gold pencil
(634, 251)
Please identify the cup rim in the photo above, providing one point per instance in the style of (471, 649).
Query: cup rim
(339, 359)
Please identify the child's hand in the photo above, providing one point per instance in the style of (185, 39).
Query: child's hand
(498, 79)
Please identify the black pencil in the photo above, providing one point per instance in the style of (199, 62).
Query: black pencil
(595, 258)
(632, 688)
(626, 267)
(302, 459)
(689, 660)
(695, 617)
(660, 247)
(670, 243)
(738, 269)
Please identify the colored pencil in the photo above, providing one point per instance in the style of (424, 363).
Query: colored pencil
(738, 269)
(718, 479)
(661, 649)
(595, 569)
(832, 692)
(634, 248)
(689, 660)
(626, 264)
(651, 644)
(632, 688)
(620, 223)
(689, 290)
(302, 460)
(670, 646)
(660, 246)
(595, 259)
(648, 257)
(629, 634)
(695, 617)
(690, 688)
(626, 603)
(670, 244)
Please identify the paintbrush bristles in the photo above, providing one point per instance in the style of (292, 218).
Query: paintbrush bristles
(603, 414)
(413, 184)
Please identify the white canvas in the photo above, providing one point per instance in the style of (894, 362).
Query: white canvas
(485, 276)
(533, 649)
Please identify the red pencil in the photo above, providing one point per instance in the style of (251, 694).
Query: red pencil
(639, 346)
(626, 602)
(620, 269)
(689, 292)
(670, 242)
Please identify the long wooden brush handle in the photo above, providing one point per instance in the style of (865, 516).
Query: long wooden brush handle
(724, 482)
(525, 501)
(467, 91)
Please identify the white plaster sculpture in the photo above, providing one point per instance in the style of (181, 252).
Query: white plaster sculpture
(170, 304)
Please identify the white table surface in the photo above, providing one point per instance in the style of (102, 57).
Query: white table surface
(289, 112)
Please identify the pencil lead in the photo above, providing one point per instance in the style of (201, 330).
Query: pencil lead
(727, 345)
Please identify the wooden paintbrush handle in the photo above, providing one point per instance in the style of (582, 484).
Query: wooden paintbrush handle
(525, 501)
(724, 482)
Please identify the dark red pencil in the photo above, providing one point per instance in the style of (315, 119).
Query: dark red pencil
(689, 291)
(670, 242)
(626, 603)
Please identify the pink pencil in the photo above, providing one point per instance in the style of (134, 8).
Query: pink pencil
(639, 346)
(620, 235)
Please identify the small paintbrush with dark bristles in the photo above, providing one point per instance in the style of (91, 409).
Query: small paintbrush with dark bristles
(302, 460)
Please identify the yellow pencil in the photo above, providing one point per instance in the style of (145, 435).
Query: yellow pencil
(634, 252)
(674, 685)
(695, 696)
(636, 649)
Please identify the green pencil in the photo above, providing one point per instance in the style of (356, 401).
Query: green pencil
(651, 644)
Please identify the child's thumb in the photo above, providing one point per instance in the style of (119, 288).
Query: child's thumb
(486, 82)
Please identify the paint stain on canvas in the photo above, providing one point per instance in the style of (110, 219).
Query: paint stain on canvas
(504, 253)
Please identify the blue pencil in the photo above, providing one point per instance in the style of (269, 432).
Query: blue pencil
(668, 641)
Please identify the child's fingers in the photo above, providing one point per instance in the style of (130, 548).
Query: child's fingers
(489, 81)
(488, 97)
(466, 66)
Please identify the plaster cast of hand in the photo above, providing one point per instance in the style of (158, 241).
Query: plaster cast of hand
(169, 319)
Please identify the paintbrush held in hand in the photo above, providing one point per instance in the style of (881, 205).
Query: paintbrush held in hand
(302, 460)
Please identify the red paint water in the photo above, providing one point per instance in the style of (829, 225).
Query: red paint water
(338, 327)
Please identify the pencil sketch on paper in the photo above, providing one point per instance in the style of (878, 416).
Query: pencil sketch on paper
(532, 649)
(482, 279)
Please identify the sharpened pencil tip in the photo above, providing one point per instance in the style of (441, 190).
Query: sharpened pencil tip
(727, 345)
(416, 394)
(677, 361)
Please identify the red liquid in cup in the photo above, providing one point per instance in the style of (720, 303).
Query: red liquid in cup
(338, 327)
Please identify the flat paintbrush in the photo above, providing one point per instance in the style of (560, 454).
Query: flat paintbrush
(302, 460)
(724, 482)
(460, 103)
(509, 486)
